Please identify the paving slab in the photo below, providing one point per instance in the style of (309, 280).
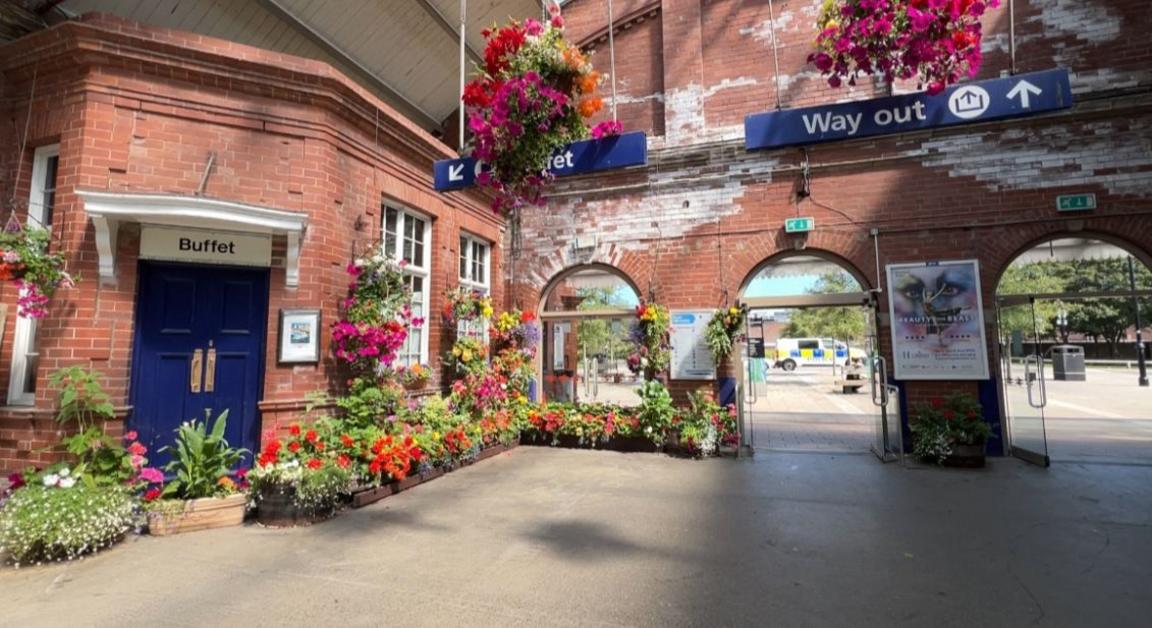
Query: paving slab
(548, 537)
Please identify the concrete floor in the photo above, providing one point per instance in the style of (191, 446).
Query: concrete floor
(543, 537)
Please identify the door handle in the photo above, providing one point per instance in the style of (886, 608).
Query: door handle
(210, 370)
(197, 363)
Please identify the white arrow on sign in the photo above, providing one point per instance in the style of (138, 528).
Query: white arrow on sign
(1023, 89)
(456, 173)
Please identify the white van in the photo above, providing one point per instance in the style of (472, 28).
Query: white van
(793, 352)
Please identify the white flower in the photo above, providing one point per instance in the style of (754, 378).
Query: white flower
(65, 472)
(67, 482)
(51, 479)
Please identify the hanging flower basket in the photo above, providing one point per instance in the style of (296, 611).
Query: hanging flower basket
(936, 42)
(652, 349)
(724, 330)
(26, 262)
(377, 316)
(531, 98)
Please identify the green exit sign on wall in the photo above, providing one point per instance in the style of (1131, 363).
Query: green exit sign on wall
(1075, 202)
(799, 225)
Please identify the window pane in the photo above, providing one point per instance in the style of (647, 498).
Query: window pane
(31, 359)
(418, 240)
(390, 218)
(463, 257)
(49, 200)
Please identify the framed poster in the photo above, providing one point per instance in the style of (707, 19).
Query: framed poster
(937, 320)
(299, 336)
(691, 358)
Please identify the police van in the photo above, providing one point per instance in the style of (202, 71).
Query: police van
(794, 352)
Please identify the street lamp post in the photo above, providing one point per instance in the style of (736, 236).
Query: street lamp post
(1143, 380)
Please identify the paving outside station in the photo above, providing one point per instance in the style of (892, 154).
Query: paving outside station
(546, 537)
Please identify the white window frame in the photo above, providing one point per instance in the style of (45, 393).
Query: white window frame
(468, 244)
(419, 268)
(24, 337)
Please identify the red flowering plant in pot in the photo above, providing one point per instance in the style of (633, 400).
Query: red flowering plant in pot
(531, 98)
(937, 42)
(950, 430)
(299, 479)
(26, 262)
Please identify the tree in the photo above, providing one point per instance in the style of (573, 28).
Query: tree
(1038, 278)
(596, 335)
(842, 323)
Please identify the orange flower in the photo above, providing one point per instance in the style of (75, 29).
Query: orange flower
(573, 57)
(589, 81)
(589, 106)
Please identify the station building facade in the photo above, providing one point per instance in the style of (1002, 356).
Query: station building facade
(692, 228)
(132, 139)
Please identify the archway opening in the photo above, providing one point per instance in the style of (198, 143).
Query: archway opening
(1072, 319)
(587, 314)
(806, 367)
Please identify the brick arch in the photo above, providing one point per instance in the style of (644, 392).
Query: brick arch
(824, 254)
(559, 278)
(1032, 240)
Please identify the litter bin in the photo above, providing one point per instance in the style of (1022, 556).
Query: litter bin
(1068, 363)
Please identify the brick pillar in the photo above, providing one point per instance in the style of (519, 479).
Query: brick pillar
(683, 71)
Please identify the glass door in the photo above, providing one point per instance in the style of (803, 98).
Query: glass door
(888, 444)
(1022, 372)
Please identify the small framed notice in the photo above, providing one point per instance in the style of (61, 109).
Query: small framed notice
(299, 336)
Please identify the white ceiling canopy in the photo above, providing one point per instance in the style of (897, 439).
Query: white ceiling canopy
(1068, 250)
(405, 51)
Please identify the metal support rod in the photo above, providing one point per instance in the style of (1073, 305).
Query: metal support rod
(1012, 37)
(1143, 378)
(463, 45)
(612, 57)
(775, 54)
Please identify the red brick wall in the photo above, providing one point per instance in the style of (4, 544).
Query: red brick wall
(137, 109)
(983, 191)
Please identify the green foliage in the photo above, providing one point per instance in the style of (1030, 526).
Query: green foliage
(597, 335)
(942, 423)
(25, 257)
(656, 410)
(82, 398)
(722, 330)
(40, 523)
(200, 458)
(102, 459)
(841, 323)
(369, 402)
(313, 490)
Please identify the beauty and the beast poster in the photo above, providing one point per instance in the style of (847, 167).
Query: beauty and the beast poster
(937, 320)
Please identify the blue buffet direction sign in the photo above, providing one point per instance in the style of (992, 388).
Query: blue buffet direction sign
(617, 151)
(966, 103)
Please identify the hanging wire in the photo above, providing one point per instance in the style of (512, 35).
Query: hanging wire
(24, 146)
(775, 53)
(612, 57)
(463, 41)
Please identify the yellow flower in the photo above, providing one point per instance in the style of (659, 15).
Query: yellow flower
(436, 436)
(522, 399)
(733, 311)
(487, 310)
(466, 355)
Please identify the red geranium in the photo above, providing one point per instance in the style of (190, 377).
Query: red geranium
(315, 463)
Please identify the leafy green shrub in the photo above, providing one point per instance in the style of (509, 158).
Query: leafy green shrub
(656, 410)
(942, 423)
(369, 402)
(202, 461)
(102, 460)
(41, 523)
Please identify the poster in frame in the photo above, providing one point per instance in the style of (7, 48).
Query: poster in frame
(299, 337)
(937, 317)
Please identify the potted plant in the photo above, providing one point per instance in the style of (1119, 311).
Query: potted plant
(201, 494)
(652, 349)
(950, 431)
(298, 480)
(414, 377)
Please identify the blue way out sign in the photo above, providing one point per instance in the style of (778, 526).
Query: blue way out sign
(619, 151)
(1015, 96)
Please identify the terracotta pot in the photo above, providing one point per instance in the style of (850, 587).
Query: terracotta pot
(199, 514)
(416, 385)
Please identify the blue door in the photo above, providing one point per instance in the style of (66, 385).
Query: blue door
(199, 346)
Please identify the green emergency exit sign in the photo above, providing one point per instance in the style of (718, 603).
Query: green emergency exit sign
(799, 225)
(1075, 202)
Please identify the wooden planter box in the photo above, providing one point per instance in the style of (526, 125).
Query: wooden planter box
(966, 456)
(199, 514)
(367, 496)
